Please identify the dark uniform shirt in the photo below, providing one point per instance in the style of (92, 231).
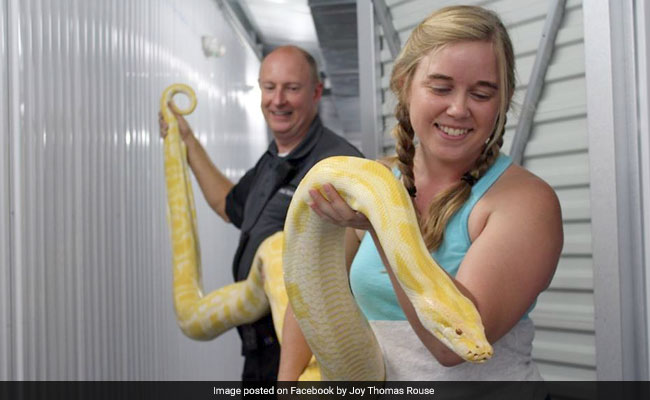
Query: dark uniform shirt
(258, 205)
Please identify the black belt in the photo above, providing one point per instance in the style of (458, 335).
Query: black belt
(258, 335)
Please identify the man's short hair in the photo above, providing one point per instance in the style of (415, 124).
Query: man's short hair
(311, 61)
(313, 66)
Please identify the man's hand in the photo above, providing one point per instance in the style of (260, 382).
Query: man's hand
(184, 128)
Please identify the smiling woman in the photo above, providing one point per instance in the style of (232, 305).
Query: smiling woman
(454, 101)
(461, 36)
(494, 227)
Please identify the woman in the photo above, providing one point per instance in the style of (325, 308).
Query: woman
(493, 226)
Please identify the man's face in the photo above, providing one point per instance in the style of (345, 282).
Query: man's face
(289, 94)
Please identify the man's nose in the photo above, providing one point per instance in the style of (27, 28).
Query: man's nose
(278, 96)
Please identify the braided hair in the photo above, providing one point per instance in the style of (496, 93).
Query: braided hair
(445, 26)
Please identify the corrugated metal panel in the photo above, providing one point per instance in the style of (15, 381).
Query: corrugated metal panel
(95, 256)
(557, 151)
(5, 216)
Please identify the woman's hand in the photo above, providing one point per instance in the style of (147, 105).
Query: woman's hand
(336, 210)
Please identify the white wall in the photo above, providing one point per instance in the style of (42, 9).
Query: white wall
(4, 203)
(86, 293)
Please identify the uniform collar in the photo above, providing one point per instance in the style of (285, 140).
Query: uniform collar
(307, 144)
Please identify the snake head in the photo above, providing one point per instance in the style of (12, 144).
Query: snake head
(472, 347)
(458, 325)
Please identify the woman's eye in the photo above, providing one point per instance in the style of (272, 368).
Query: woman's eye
(481, 96)
(441, 90)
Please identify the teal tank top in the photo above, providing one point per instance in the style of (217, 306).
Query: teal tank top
(369, 280)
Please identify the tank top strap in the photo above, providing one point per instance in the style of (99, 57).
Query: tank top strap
(482, 186)
(458, 223)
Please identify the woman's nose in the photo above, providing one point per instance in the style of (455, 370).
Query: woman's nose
(458, 106)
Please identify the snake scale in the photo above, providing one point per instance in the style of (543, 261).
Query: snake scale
(315, 276)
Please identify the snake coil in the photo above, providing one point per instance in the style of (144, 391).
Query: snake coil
(314, 271)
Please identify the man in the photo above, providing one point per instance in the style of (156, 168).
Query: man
(258, 203)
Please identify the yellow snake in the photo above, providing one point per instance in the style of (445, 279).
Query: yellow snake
(315, 275)
(317, 282)
(204, 317)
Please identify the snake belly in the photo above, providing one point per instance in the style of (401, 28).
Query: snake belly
(317, 282)
(204, 317)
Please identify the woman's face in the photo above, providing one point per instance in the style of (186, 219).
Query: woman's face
(454, 101)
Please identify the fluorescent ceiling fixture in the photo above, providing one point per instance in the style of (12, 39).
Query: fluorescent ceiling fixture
(283, 20)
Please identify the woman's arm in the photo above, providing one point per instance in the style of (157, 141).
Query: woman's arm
(515, 249)
(512, 259)
(295, 352)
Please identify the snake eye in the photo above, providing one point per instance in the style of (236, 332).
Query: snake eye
(459, 332)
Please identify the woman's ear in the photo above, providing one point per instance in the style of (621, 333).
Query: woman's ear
(405, 91)
(400, 83)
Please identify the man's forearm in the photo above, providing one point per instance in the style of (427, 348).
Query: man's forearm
(214, 184)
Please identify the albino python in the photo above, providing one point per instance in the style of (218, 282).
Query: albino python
(317, 283)
(314, 269)
(204, 317)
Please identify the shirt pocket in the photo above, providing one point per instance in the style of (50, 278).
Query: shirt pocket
(277, 207)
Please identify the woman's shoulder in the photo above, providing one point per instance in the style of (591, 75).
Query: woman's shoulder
(520, 209)
(517, 180)
(519, 188)
(518, 195)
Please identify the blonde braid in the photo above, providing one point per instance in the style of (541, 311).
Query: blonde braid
(446, 203)
(403, 133)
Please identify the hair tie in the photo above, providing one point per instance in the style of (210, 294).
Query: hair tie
(411, 191)
(469, 178)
